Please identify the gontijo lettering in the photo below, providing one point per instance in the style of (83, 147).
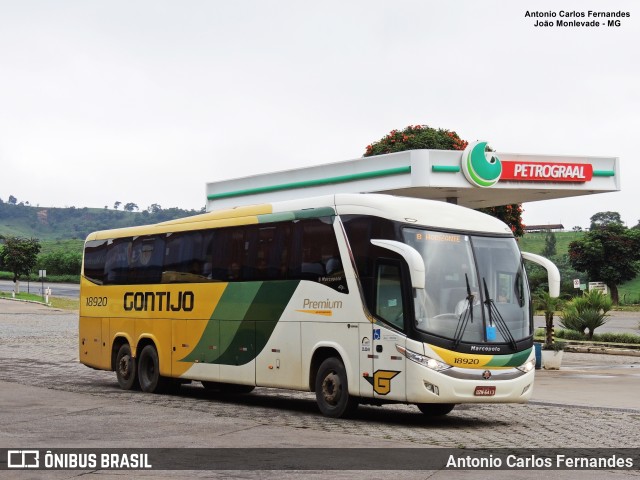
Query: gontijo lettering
(158, 301)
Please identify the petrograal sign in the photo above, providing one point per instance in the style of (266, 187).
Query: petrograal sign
(546, 171)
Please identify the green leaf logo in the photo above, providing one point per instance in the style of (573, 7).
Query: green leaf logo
(482, 169)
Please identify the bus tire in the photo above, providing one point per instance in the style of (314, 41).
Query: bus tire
(332, 390)
(436, 409)
(126, 368)
(149, 370)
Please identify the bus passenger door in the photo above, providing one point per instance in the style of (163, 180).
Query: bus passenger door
(388, 363)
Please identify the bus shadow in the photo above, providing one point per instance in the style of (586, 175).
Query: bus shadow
(383, 415)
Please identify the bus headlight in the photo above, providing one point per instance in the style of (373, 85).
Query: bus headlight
(527, 366)
(428, 362)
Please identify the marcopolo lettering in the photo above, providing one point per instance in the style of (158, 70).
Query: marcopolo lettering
(158, 301)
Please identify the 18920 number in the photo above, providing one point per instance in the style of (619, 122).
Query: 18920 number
(96, 301)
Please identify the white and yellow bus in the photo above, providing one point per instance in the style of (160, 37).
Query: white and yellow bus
(360, 298)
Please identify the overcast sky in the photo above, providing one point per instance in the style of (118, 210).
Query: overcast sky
(145, 101)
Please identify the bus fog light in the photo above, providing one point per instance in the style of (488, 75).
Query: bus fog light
(432, 388)
(525, 389)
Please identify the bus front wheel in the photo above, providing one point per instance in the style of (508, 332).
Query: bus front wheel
(332, 390)
(149, 370)
(436, 409)
(126, 368)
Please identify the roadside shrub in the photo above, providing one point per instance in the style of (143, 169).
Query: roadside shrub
(570, 335)
(587, 312)
(613, 337)
(61, 263)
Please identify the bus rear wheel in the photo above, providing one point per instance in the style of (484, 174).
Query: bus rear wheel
(436, 409)
(149, 370)
(332, 390)
(126, 368)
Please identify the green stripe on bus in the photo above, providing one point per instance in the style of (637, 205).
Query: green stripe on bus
(514, 360)
(604, 173)
(242, 322)
(311, 183)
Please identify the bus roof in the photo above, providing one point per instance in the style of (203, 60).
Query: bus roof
(421, 212)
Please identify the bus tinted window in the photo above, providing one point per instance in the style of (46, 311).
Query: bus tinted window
(315, 254)
(186, 258)
(116, 268)
(145, 264)
(302, 250)
(95, 254)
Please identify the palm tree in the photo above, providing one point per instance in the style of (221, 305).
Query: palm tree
(549, 305)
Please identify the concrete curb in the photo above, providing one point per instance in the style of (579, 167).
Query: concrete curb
(25, 301)
(605, 350)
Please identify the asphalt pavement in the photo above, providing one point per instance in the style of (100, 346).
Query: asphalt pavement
(49, 400)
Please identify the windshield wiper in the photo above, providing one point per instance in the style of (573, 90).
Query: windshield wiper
(465, 316)
(501, 325)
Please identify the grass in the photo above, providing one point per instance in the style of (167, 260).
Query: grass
(23, 296)
(65, 303)
(534, 242)
(630, 292)
(55, 302)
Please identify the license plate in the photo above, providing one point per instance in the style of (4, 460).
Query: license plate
(483, 391)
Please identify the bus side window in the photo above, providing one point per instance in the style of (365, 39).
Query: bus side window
(316, 256)
(389, 305)
(146, 260)
(116, 266)
(95, 254)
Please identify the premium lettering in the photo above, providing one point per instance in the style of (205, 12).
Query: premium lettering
(308, 303)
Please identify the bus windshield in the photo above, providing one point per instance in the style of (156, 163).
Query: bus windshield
(475, 288)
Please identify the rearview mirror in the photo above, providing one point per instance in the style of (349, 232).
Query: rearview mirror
(553, 274)
(410, 255)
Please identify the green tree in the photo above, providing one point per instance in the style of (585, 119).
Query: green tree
(154, 208)
(130, 207)
(609, 254)
(19, 255)
(422, 136)
(549, 244)
(602, 219)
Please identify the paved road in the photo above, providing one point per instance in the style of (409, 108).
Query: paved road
(67, 290)
(47, 399)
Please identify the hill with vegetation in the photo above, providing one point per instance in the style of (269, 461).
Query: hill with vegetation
(61, 232)
(57, 224)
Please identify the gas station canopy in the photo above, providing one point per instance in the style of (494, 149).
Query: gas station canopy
(473, 178)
